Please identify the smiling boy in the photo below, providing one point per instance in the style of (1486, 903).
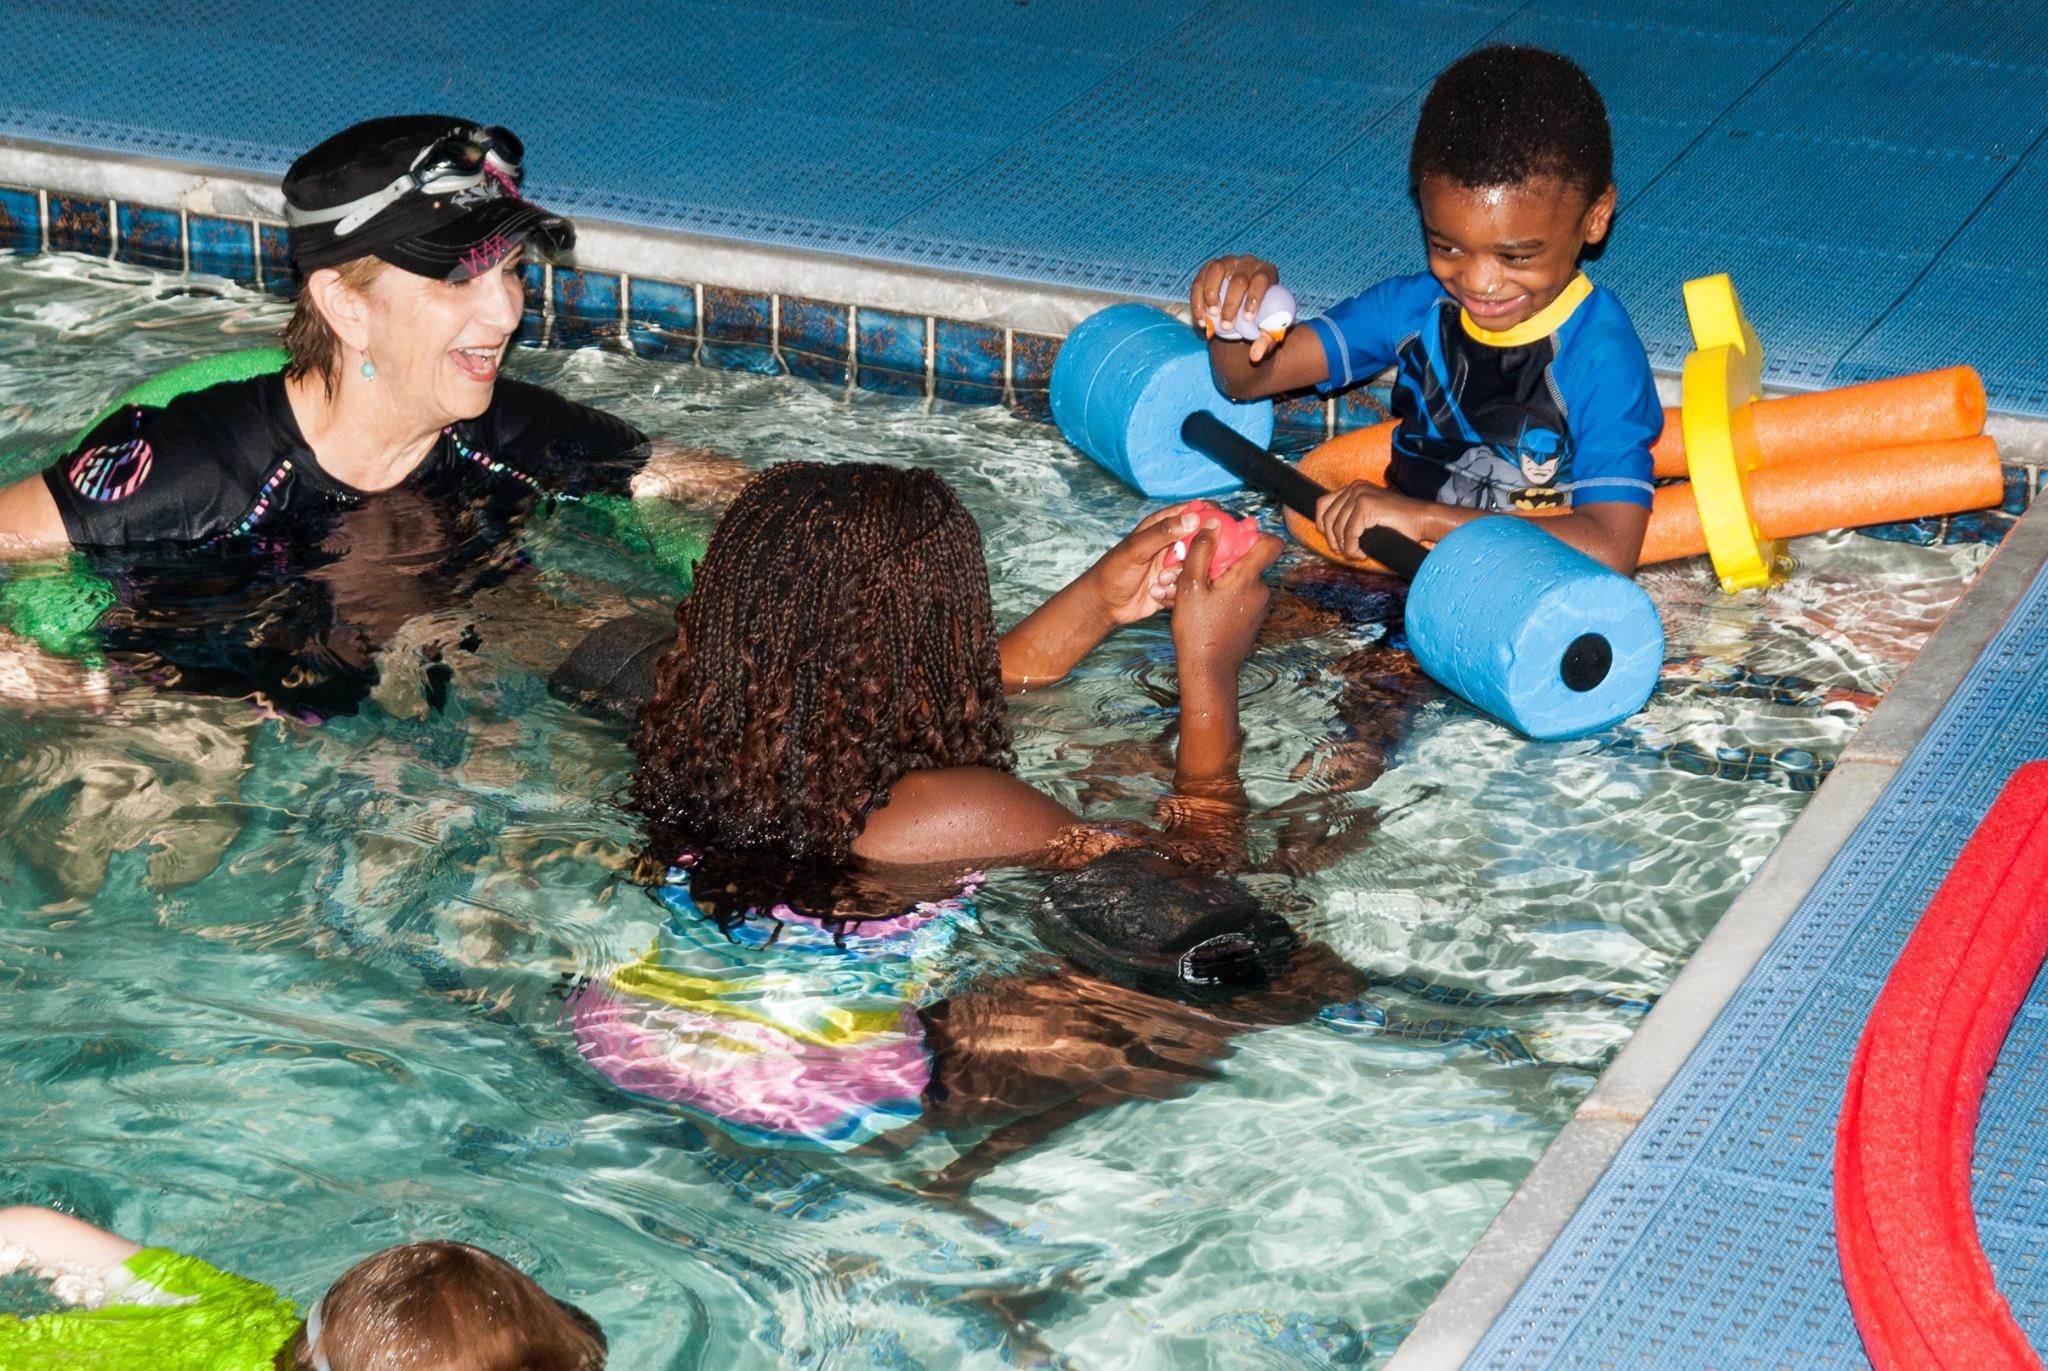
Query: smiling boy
(1519, 384)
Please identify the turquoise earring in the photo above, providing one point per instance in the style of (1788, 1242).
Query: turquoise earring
(369, 369)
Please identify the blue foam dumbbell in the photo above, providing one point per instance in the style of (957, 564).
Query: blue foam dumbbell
(1509, 618)
(1533, 631)
(1121, 386)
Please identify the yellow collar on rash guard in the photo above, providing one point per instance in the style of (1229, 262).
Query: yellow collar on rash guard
(1541, 324)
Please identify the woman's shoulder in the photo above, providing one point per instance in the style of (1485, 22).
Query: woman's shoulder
(178, 472)
(561, 444)
(960, 813)
(222, 421)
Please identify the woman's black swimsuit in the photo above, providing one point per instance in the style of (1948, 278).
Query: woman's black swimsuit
(240, 567)
(230, 460)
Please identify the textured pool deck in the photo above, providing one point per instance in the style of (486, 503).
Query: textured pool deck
(1870, 171)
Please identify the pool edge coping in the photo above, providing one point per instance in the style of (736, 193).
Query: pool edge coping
(601, 244)
(610, 246)
(1542, 1206)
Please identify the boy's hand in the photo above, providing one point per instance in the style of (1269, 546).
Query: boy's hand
(1227, 286)
(1344, 515)
(1132, 580)
(1214, 622)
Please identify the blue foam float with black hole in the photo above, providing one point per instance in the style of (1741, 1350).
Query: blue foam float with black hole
(1533, 631)
(1124, 381)
(1505, 615)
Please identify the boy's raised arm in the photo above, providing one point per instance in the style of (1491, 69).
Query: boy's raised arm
(1253, 370)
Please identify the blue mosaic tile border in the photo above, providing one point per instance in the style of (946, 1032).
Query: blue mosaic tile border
(828, 343)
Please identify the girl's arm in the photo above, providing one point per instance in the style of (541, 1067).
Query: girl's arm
(1127, 584)
(1214, 623)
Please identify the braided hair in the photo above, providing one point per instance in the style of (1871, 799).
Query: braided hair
(840, 634)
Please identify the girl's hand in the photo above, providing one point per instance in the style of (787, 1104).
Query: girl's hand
(1131, 580)
(1214, 622)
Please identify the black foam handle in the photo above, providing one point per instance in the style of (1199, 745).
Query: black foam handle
(1262, 471)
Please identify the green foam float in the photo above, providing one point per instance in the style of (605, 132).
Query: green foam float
(161, 389)
(57, 606)
(653, 531)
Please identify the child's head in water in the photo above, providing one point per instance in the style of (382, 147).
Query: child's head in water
(839, 635)
(441, 1306)
(1513, 168)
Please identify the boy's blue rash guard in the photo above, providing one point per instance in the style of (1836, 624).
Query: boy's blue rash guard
(1559, 410)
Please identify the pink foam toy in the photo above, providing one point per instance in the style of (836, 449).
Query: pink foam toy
(1233, 540)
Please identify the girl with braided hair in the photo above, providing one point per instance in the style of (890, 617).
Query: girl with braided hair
(835, 689)
(826, 735)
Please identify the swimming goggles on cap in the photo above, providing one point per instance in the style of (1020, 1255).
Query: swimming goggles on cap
(455, 162)
(320, 1362)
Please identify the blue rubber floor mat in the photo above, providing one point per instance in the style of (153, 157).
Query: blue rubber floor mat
(1992, 271)
(1710, 1239)
(1850, 162)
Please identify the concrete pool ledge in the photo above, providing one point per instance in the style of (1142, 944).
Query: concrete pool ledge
(601, 245)
(1455, 1322)
(1024, 316)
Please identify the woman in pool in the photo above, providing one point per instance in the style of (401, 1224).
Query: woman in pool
(408, 234)
(834, 694)
(343, 503)
(430, 1306)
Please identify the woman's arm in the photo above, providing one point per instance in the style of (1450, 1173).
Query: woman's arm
(700, 476)
(1126, 584)
(29, 523)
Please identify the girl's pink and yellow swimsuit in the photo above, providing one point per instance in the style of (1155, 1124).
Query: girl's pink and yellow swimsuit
(783, 1028)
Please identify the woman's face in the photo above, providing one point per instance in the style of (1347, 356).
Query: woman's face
(436, 344)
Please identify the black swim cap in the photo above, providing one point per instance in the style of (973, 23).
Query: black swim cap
(1145, 921)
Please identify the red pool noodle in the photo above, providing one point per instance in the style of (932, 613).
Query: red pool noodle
(1916, 1276)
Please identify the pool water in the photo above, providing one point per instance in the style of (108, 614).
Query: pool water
(282, 992)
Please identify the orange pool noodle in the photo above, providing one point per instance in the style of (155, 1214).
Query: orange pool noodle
(1929, 407)
(1878, 486)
